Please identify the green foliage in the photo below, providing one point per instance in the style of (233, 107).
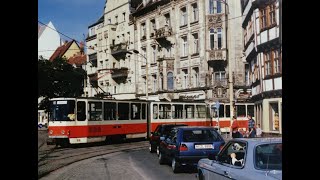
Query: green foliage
(58, 79)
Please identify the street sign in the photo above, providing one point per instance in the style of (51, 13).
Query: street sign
(217, 105)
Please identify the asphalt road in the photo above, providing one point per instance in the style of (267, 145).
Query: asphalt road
(124, 165)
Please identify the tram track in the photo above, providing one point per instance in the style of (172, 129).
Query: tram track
(57, 158)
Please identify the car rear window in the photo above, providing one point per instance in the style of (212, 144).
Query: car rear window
(269, 156)
(200, 135)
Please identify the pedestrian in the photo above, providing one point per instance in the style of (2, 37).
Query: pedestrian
(258, 130)
(235, 129)
(251, 126)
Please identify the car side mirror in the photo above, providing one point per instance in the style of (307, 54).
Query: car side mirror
(162, 138)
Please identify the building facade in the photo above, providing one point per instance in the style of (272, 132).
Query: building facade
(263, 50)
(190, 48)
(114, 70)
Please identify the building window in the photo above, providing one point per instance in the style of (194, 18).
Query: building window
(115, 89)
(167, 17)
(211, 38)
(144, 53)
(267, 63)
(124, 16)
(184, 16)
(109, 20)
(220, 76)
(263, 18)
(167, 52)
(154, 54)
(195, 12)
(143, 31)
(272, 14)
(155, 83)
(170, 81)
(153, 27)
(274, 120)
(116, 19)
(185, 80)
(211, 7)
(184, 47)
(247, 71)
(195, 77)
(92, 31)
(277, 62)
(219, 38)
(219, 9)
(195, 43)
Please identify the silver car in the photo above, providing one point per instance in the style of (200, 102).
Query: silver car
(244, 158)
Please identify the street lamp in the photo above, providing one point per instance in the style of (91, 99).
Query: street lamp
(138, 53)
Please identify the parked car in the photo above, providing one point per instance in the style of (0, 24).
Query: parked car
(161, 130)
(187, 145)
(245, 158)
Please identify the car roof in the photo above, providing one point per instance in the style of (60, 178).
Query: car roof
(260, 140)
(195, 127)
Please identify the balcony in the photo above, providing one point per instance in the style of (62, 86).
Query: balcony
(117, 73)
(217, 55)
(162, 34)
(119, 50)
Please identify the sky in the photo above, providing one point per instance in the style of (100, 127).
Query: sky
(70, 17)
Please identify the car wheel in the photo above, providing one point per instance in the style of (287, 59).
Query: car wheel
(174, 165)
(161, 159)
(151, 148)
(158, 150)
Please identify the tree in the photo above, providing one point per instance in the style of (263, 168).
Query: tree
(58, 79)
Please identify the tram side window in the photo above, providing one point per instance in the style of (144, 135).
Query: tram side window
(165, 111)
(241, 110)
(123, 111)
(177, 111)
(95, 111)
(227, 111)
(201, 111)
(110, 109)
(155, 111)
(250, 110)
(143, 111)
(189, 109)
(136, 111)
(81, 111)
(221, 110)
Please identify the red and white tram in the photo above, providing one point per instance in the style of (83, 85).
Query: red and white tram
(84, 120)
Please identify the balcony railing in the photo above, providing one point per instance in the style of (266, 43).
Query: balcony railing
(163, 32)
(219, 54)
(119, 73)
(119, 49)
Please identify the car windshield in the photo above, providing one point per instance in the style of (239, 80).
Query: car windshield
(200, 135)
(61, 109)
(269, 156)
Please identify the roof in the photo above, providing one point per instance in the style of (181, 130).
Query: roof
(40, 30)
(98, 22)
(78, 59)
(61, 50)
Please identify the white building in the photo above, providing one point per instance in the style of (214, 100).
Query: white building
(263, 49)
(48, 40)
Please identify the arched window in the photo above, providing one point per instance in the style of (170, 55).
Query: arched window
(170, 81)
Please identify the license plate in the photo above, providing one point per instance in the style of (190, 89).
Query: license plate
(203, 146)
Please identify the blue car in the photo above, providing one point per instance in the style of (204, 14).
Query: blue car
(186, 145)
(245, 159)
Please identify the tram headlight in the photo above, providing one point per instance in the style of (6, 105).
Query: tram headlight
(50, 132)
(62, 132)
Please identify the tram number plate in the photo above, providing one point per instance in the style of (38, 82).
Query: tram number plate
(203, 146)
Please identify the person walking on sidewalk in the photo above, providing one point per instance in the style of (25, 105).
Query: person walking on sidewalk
(251, 127)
